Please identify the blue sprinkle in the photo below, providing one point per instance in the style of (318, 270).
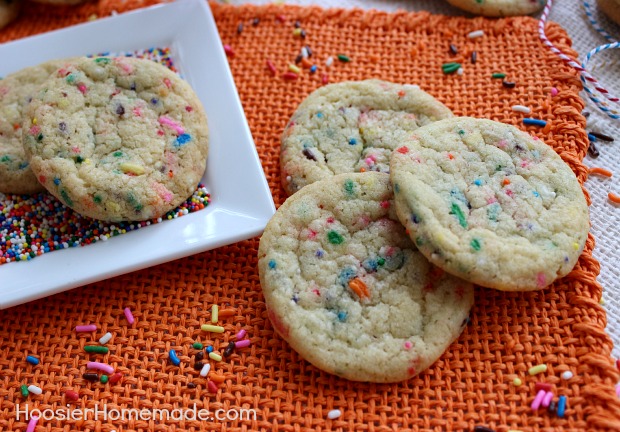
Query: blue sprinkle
(31, 359)
(346, 275)
(295, 298)
(478, 182)
(536, 194)
(415, 219)
(209, 349)
(182, 139)
(319, 253)
(313, 69)
(534, 122)
(56, 181)
(154, 101)
(352, 141)
(342, 316)
(396, 188)
(592, 138)
(319, 115)
(561, 406)
(173, 358)
(272, 264)
(23, 165)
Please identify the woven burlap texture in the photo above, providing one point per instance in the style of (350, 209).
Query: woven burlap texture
(471, 384)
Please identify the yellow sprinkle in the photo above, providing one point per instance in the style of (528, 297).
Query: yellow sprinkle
(113, 206)
(215, 357)
(214, 313)
(294, 68)
(132, 168)
(535, 370)
(34, 120)
(212, 328)
(297, 32)
(576, 246)
(93, 17)
(517, 382)
(601, 301)
(87, 161)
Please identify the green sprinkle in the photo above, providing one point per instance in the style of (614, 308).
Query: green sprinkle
(450, 68)
(97, 199)
(419, 241)
(137, 205)
(475, 244)
(343, 58)
(40, 137)
(349, 187)
(103, 379)
(70, 78)
(96, 349)
(334, 237)
(197, 345)
(5, 158)
(103, 60)
(381, 261)
(117, 153)
(65, 197)
(498, 75)
(461, 132)
(79, 159)
(456, 210)
(24, 390)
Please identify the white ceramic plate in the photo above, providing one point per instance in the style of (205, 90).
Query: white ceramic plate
(241, 203)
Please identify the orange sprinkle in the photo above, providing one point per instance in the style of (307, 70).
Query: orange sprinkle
(359, 288)
(223, 313)
(362, 169)
(601, 171)
(612, 197)
(506, 181)
(373, 58)
(217, 378)
(307, 64)
(401, 93)
(450, 156)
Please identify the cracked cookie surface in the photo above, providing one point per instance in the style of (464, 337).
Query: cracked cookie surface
(499, 8)
(490, 203)
(347, 288)
(351, 127)
(117, 138)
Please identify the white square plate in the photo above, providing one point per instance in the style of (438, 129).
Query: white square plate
(241, 203)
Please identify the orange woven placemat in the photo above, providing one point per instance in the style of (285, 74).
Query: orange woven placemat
(562, 327)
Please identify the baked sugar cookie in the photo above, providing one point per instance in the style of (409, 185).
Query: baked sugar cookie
(16, 90)
(347, 288)
(499, 8)
(490, 204)
(117, 138)
(8, 11)
(351, 127)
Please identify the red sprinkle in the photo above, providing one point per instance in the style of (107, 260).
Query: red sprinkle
(212, 387)
(402, 150)
(543, 386)
(324, 79)
(72, 395)
(115, 378)
(291, 76)
(618, 364)
(229, 51)
(272, 67)
(82, 88)
(281, 18)
(385, 204)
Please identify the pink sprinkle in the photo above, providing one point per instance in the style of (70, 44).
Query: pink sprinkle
(385, 204)
(163, 192)
(368, 161)
(82, 88)
(554, 91)
(34, 130)
(86, 328)
(160, 132)
(540, 279)
(408, 345)
(167, 82)
(32, 424)
(124, 65)
(242, 344)
(75, 149)
(538, 400)
(100, 366)
(240, 335)
(229, 51)
(137, 111)
(129, 315)
(167, 121)
(618, 390)
(324, 79)
(189, 108)
(547, 400)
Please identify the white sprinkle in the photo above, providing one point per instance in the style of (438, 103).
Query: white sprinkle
(34, 389)
(459, 71)
(205, 370)
(113, 13)
(476, 34)
(304, 52)
(288, 179)
(334, 414)
(105, 338)
(521, 108)
(329, 61)
(566, 375)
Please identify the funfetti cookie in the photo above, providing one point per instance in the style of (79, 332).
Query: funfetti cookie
(8, 11)
(347, 288)
(351, 127)
(117, 138)
(16, 90)
(490, 204)
(499, 8)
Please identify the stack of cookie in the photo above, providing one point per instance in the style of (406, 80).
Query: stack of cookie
(113, 138)
(397, 209)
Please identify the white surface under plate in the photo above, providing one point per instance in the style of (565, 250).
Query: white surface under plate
(241, 203)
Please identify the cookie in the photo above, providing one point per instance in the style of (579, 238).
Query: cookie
(611, 8)
(351, 127)
(347, 288)
(117, 138)
(8, 11)
(499, 8)
(16, 91)
(60, 2)
(490, 204)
